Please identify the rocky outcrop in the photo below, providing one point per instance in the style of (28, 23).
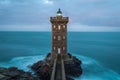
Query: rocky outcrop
(73, 69)
(14, 73)
(43, 68)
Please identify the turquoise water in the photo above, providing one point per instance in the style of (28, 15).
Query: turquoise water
(99, 51)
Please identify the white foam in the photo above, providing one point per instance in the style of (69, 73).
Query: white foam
(93, 70)
(22, 62)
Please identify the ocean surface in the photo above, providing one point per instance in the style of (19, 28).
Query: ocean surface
(99, 51)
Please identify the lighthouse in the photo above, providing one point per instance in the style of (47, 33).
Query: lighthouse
(59, 34)
(58, 64)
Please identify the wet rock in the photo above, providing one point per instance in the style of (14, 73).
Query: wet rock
(13, 73)
(43, 68)
(73, 69)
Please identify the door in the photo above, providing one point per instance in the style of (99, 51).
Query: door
(59, 50)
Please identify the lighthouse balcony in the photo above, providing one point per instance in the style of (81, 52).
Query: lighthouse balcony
(54, 19)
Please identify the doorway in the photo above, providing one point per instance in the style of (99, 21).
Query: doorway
(59, 51)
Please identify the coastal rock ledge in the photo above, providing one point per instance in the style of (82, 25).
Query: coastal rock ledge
(43, 68)
(13, 73)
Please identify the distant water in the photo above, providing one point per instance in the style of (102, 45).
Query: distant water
(99, 51)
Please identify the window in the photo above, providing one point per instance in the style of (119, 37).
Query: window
(63, 37)
(54, 48)
(54, 26)
(63, 48)
(64, 26)
(59, 38)
(59, 27)
(54, 37)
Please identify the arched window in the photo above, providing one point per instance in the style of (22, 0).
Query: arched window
(54, 37)
(59, 38)
(54, 26)
(63, 48)
(63, 37)
(54, 48)
(59, 27)
(64, 26)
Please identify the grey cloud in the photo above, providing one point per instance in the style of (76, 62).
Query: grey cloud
(86, 12)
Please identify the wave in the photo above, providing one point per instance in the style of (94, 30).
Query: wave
(92, 70)
(22, 62)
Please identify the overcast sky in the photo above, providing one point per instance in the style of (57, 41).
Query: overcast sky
(85, 15)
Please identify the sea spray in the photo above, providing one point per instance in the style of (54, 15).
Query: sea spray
(92, 69)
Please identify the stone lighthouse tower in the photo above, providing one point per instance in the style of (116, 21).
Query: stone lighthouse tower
(59, 34)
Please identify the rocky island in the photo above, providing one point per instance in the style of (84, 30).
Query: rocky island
(44, 68)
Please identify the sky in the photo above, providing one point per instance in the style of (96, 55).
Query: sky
(84, 15)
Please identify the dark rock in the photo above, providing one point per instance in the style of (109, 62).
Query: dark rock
(73, 69)
(14, 73)
(43, 68)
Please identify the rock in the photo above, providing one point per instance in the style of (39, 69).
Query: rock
(43, 68)
(13, 73)
(73, 69)
(3, 77)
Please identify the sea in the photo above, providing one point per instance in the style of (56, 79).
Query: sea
(98, 51)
